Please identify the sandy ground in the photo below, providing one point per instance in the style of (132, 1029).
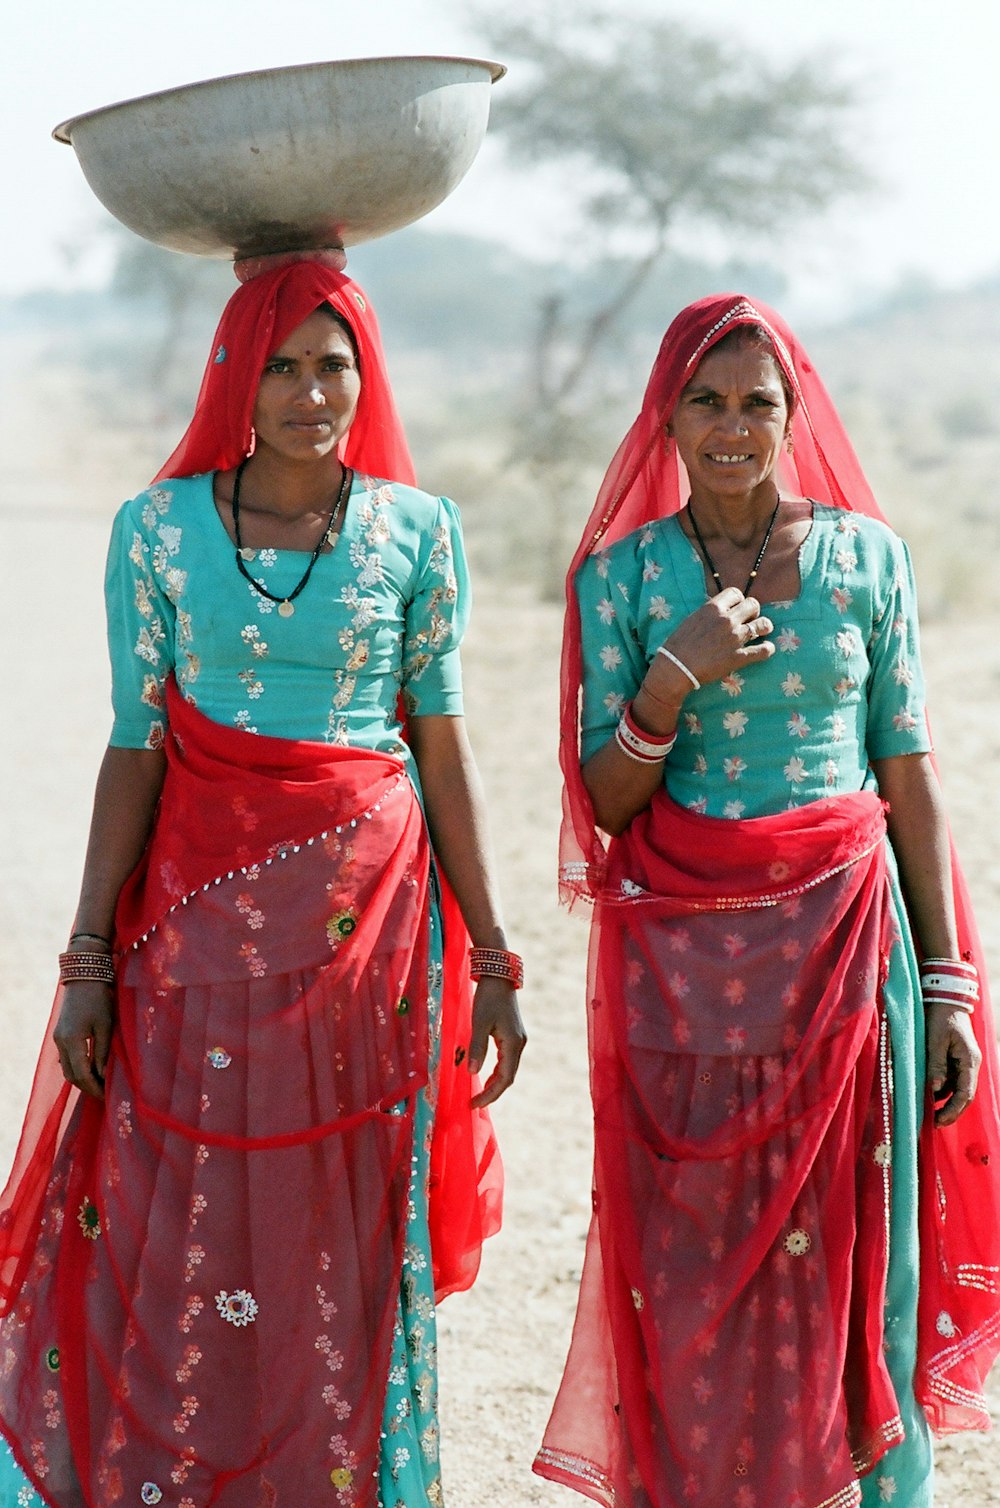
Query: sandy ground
(502, 1346)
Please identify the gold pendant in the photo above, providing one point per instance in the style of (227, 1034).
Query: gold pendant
(247, 554)
(286, 608)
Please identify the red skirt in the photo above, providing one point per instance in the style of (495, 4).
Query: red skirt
(728, 1340)
(200, 1275)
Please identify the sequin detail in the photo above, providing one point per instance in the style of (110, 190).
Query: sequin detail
(89, 1220)
(238, 1307)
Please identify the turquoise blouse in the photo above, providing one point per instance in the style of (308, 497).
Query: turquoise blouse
(844, 687)
(383, 613)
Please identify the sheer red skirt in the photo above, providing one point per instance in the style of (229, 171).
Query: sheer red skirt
(200, 1276)
(728, 1346)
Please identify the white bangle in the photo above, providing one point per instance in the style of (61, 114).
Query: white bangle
(663, 650)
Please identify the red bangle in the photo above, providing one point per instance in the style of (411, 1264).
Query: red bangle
(664, 740)
(647, 748)
(99, 967)
(950, 981)
(497, 963)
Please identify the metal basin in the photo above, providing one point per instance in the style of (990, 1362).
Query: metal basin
(287, 159)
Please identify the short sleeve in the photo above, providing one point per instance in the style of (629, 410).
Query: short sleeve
(614, 663)
(897, 723)
(436, 618)
(141, 628)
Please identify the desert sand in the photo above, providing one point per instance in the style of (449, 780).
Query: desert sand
(502, 1345)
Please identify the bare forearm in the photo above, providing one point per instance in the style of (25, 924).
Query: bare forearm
(456, 818)
(128, 788)
(918, 831)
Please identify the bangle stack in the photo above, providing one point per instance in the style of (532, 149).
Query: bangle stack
(950, 981)
(80, 964)
(497, 963)
(647, 748)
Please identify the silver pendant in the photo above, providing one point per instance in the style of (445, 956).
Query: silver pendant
(286, 608)
(247, 554)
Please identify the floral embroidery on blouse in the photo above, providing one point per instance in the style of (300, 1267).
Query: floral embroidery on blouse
(851, 632)
(374, 622)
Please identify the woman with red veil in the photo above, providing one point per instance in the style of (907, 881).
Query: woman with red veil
(267, 1153)
(793, 1268)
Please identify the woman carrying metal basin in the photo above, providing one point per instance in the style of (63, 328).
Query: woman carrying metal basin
(774, 1305)
(226, 1231)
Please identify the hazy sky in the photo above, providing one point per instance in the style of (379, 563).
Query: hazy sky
(931, 129)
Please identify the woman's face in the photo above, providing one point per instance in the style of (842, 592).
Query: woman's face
(731, 421)
(308, 391)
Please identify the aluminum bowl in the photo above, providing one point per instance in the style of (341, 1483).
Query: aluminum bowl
(287, 159)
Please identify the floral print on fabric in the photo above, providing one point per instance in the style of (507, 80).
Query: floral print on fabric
(384, 614)
(844, 686)
(178, 603)
(851, 671)
(214, 1326)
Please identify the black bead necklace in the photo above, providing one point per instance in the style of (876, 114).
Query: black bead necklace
(244, 553)
(711, 563)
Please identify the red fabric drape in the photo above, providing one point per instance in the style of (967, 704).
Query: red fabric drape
(737, 1259)
(959, 1325)
(272, 1018)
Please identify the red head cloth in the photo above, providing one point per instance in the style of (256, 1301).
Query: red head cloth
(259, 316)
(959, 1331)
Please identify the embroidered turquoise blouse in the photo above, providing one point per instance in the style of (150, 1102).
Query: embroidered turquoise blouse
(844, 687)
(383, 613)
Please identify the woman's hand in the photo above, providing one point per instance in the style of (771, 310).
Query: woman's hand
(953, 1059)
(728, 633)
(83, 1034)
(495, 1014)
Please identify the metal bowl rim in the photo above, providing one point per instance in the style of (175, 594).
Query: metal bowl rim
(64, 131)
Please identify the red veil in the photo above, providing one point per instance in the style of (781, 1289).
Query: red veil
(258, 317)
(959, 1320)
(261, 314)
(284, 896)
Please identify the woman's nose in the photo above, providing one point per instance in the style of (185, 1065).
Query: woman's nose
(310, 389)
(733, 421)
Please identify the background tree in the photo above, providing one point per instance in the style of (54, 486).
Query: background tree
(661, 134)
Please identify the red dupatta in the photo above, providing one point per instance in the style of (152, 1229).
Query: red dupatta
(271, 1036)
(259, 316)
(959, 1321)
(727, 1348)
(464, 1155)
